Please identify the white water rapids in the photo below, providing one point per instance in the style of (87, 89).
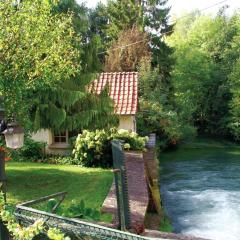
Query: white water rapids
(202, 195)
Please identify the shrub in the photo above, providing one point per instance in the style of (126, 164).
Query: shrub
(169, 126)
(31, 151)
(93, 149)
(62, 160)
(2, 143)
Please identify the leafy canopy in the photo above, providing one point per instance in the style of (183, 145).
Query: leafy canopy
(47, 60)
(36, 51)
(205, 73)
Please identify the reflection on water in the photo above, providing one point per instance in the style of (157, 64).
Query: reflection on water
(201, 192)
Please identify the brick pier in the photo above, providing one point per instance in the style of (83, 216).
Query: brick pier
(137, 188)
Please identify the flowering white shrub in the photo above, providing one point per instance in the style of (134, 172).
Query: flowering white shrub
(93, 149)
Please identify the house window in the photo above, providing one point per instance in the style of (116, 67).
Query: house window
(60, 137)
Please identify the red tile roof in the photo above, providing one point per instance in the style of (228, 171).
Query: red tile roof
(123, 89)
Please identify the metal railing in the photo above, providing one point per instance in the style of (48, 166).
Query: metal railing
(74, 228)
(121, 185)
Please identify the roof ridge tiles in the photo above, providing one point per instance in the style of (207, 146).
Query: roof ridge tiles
(109, 73)
(122, 89)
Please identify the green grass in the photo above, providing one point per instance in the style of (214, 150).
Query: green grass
(166, 225)
(28, 181)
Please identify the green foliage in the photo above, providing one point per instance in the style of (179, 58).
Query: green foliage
(205, 85)
(156, 113)
(70, 106)
(122, 15)
(167, 124)
(234, 122)
(47, 76)
(79, 210)
(19, 232)
(93, 149)
(148, 16)
(60, 160)
(2, 143)
(31, 151)
(166, 225)
(37, 50)
(74, 210)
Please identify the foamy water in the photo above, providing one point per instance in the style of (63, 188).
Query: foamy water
(202, 195)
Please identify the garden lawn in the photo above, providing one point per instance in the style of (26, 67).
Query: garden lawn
(28, 181)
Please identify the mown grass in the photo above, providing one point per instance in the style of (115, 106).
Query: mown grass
(28, 181)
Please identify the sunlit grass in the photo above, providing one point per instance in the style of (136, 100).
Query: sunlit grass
(28, 181)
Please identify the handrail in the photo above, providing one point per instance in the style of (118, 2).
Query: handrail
(78, 228)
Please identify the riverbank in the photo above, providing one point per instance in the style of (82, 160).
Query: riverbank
(208, 142)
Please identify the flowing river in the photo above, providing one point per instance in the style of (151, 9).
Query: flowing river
(200, 191)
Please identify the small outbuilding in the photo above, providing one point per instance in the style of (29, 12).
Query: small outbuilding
(123, 89)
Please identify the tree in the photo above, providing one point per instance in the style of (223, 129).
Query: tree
(149, 17)
(82, 24)
(36, 52)
(70, 106)
(123, 15)
(44, 76)
(156, 114)
(127, 59)
(233, 62)
(203, 64)
(234, 105)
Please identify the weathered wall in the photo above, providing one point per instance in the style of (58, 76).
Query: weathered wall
(46, 136)
(127, 122)
(43, 135)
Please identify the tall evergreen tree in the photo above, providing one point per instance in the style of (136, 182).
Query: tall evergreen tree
(37, 50)
(69, 105)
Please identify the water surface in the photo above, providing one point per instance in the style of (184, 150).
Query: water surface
(200, 191)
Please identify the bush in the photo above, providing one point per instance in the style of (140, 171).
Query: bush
(62, 160)
(31, 151)
(2, 142)
(93, 149)
(169, 126)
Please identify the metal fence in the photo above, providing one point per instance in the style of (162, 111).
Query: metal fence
(26, 214)
(73, 228)
(121, 184)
